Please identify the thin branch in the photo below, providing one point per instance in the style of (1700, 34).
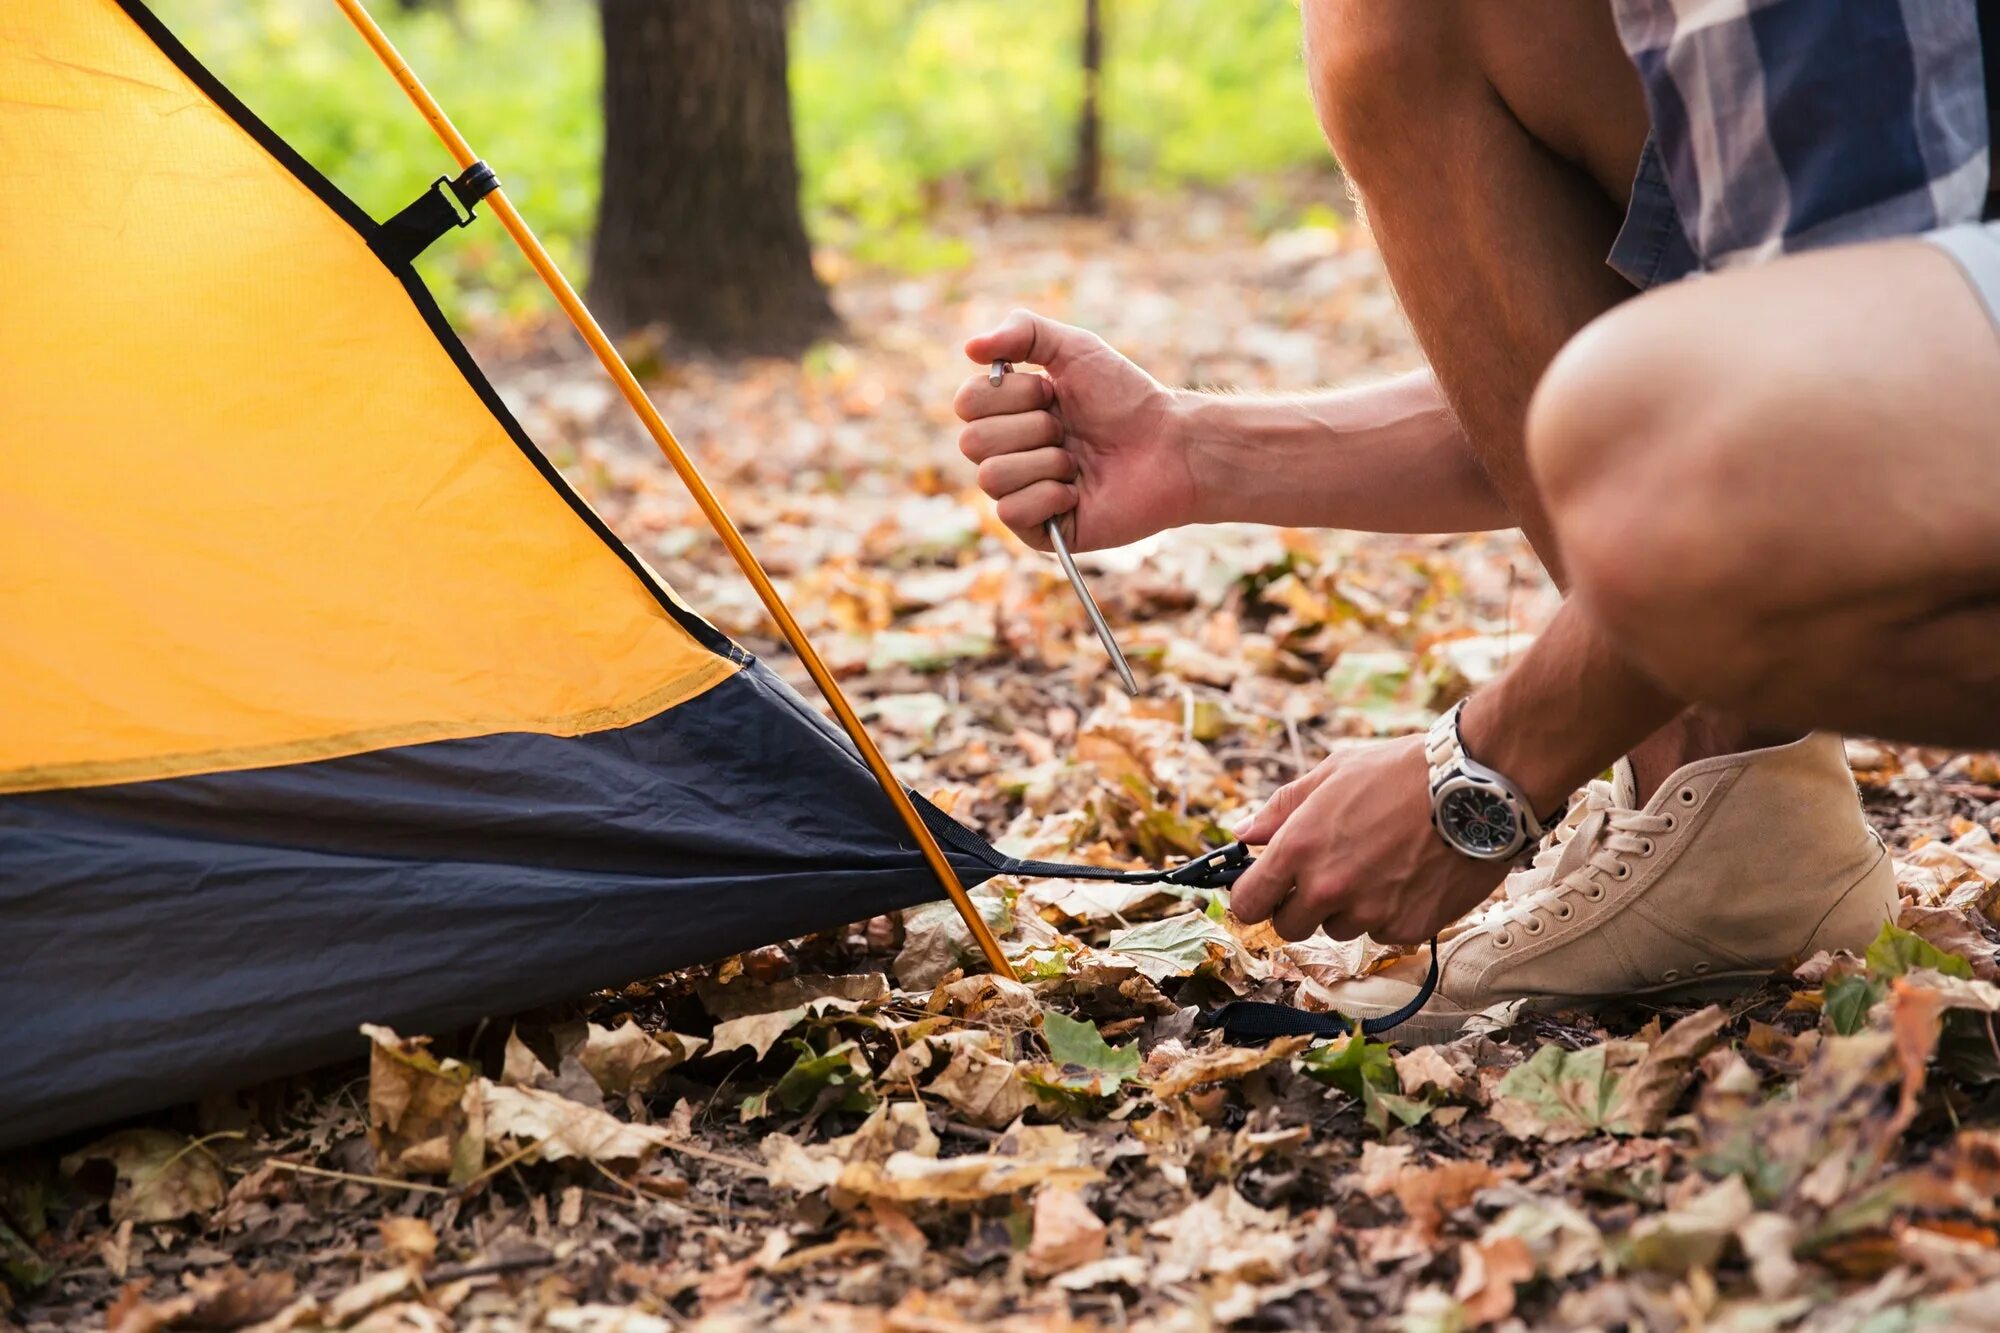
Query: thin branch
(414, 1186)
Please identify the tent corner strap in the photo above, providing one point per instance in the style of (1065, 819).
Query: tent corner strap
(417, 226)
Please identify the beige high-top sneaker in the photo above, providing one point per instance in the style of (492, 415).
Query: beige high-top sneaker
(1738, 865)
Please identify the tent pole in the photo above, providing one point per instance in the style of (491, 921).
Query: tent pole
(718, 518)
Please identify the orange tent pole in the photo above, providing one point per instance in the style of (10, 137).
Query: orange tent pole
(718, 518)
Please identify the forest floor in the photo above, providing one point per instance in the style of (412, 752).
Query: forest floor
(863, 1131)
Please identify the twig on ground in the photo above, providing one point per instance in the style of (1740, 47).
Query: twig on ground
(384, 1182)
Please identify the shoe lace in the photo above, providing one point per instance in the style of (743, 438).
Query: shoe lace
(1611, 833)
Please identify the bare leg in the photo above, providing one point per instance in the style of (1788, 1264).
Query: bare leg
(1493, 144)
(1780, 490)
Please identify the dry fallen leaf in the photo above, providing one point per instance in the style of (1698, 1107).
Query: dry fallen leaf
(759, 1032)
(1431, 1194)
(891, 1128)
(157, 1175)
(425, 1116)
(984, 1088)
(627, 1058)
(227, 1299)
(907, 1178)
(1065, 1232)
(410, 1239)
(1425, 1069)
(1488, 1272)
(1648, 1093)
(561, 1128)
(1221, 1064)
(1225, 1235)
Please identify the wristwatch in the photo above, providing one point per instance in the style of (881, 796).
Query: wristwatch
(1476, 810)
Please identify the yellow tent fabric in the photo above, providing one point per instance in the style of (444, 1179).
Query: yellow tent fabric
(214, 552)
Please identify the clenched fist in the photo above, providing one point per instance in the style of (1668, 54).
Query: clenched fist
(1094, 439)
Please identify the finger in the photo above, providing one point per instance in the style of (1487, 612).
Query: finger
(1297, 917)
(1002, 476)
(1025, 336)
(1263, 826)
(1262, 888)
(1026, 510)
(1018, 392)
(994, 436)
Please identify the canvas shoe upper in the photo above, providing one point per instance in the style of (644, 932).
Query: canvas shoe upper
(1738, 864)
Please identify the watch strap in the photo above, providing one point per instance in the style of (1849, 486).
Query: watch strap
(1444, 751)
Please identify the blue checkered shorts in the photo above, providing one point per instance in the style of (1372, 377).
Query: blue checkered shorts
(1785, 125)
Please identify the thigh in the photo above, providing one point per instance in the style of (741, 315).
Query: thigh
(1838, 414)
(1780, 487)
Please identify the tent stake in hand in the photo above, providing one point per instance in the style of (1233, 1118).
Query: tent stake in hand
(1068, 562)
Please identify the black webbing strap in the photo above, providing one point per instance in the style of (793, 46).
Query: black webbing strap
(1212, 870)
(410, 233)
(1252, 1022)
(1241, 1021)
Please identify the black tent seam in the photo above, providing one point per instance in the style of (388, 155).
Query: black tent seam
(369, 231)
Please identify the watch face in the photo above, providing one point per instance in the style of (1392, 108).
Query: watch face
(1478, 821)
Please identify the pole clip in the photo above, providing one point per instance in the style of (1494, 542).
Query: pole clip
(447, 204)
(1218, 869)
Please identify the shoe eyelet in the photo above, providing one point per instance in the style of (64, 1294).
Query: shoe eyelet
(1595, 893)
(1700, 968)
(1624, 871)
(1502, 939)
(1533, 926)
(1671, 974)
(1565, 912)
(1687, 796)
(1672, 822)
(1645, 847)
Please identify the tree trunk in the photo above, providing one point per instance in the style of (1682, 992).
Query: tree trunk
(699, 226)
(1086, 182)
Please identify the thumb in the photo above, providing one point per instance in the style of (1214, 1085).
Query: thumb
(1022, 336)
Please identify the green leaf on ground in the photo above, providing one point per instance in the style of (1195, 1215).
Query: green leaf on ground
(1560, 1094)
(1084, 1062)
(1896, 951)
(21, 1264)
(813, 1075)
(1363, 1070)
(1848, 1000)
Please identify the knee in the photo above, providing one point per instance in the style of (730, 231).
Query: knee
(1638, 440)
(1373, 68)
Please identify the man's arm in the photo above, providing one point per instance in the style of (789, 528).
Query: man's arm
(1097, 441)
(1383, 457)
(1565, 712)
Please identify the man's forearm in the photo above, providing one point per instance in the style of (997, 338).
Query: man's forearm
(1565, 712)
(1386, 457)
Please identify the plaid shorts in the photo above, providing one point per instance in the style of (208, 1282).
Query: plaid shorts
(1784, 125)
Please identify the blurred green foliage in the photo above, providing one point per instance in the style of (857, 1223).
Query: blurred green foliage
(900, 105)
